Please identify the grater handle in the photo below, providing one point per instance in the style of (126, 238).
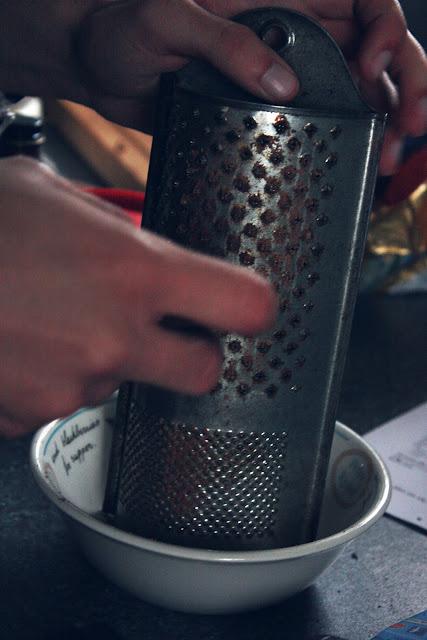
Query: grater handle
(326, 83)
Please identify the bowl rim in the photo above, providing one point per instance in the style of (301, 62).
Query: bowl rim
(212, 555)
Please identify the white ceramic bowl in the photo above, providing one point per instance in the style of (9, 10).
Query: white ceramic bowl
(70, 457)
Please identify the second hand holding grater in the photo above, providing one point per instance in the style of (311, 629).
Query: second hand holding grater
(287, 192)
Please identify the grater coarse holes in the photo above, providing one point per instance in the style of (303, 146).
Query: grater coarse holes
(285, 191)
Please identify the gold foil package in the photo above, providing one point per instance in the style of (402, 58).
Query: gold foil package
(396, 251)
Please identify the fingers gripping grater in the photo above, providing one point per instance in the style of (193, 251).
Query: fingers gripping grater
(285, 191)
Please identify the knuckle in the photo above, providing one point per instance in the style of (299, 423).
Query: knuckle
(232, 38)
(417, 55)
(105, 355)
(398, 29)
(209, 5)
(400, 18)
(20, 168)
(25, 162)
(401, 37)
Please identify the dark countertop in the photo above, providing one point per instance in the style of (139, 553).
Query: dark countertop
(48, 590)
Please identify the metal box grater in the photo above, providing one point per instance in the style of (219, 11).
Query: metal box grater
(287, 192)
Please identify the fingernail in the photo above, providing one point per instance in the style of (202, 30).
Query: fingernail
(380, 63)
(279, 83)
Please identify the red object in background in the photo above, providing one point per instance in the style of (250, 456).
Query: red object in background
(130, 201)
(410, 176)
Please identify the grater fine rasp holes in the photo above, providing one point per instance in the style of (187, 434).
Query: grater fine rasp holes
(201, 482)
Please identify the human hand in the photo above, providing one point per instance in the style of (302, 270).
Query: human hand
(127, 45)
(82, 296)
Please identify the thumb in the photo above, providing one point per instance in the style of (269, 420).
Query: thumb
(129, 43)
(239, 54)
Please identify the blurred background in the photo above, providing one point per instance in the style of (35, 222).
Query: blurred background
(416, 14)
(96, 153)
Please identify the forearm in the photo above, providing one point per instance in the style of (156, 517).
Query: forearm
(36, 46)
